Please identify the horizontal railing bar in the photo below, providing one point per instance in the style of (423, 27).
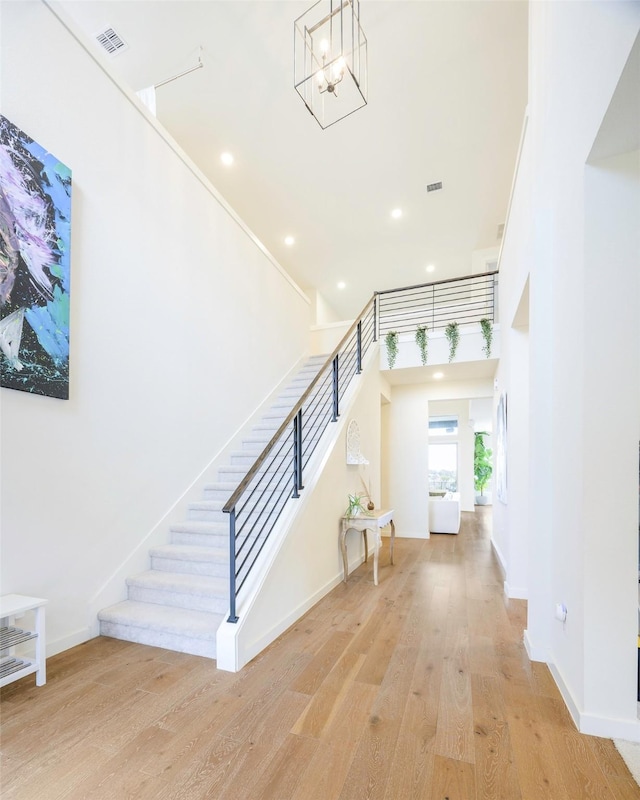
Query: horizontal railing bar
(431, 290)
(231, 502)
(436, 283)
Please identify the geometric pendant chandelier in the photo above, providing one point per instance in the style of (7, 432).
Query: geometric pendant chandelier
(330, 60)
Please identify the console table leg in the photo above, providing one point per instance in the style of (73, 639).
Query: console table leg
(343, 548)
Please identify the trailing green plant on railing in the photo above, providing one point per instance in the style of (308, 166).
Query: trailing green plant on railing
(452, 332)
(487, 333)
(391, 342)
(423, 343)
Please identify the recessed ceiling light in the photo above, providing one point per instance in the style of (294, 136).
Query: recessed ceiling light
(227, 159)
(430, 268)
(438, 375)
(289, 240)
(396, 213)
(342, 285)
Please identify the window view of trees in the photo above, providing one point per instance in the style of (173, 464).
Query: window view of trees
(443, 467)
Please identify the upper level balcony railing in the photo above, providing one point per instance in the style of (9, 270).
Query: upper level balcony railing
(463, 300)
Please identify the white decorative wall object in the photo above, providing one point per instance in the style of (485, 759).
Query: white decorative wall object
(354, 456)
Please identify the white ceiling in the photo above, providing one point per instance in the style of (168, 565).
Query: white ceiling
(447, 94)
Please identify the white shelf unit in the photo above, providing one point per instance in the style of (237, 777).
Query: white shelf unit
(12, 667)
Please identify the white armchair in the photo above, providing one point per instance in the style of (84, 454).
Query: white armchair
(444, 513)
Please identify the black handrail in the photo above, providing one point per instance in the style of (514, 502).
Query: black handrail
(291, 445)
(436, 283)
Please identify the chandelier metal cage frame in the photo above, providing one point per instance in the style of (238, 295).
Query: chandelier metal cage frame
(330, 60)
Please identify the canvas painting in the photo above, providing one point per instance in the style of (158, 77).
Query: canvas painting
(35, 229)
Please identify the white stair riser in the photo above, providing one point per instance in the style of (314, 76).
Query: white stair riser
(217, 569)
(170, 641)
(200, 539)
(221, 495)
(195, 602)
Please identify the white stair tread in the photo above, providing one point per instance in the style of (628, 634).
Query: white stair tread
(181, 583)
(187, 552)
(181, 621)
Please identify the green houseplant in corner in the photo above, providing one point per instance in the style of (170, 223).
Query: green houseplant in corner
(482, 467)
(391, 342)
(423, 343)
(487, 333)
(452, 332)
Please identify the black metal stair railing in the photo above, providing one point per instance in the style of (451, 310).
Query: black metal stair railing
(464, 300)
(278, 472)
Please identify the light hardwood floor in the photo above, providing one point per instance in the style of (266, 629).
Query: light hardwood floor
(418, 688)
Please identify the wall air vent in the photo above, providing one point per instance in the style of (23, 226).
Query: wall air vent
(500, 233)
(434, 187)
(111, 42)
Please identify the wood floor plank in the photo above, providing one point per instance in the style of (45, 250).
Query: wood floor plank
(452, 780)
(496, 775)
(417, 689)
(316, 671)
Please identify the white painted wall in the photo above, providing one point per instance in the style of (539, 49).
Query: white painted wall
(407, 437)
(580, 248)
(611, 433)
(181, 324)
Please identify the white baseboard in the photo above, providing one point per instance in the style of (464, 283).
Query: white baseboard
(591, 724)
(71, 640)
(608, 728)
(515, 592)
(501, 562)
(535, 652)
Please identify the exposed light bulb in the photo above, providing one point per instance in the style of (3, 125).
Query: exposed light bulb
(338, 68)
(320, 77)
(430, 268)
(227, 159)
(324, 46)
(396, 213)
(289, 240)
(342, 285)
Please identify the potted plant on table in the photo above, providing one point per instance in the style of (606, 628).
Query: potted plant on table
(482, 467)
(355, 507)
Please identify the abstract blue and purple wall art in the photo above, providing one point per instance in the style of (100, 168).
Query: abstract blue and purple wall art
(35, 231)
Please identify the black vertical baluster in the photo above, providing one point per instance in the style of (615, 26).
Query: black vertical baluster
(299, 456)
(375, 312)
(433, 307)
(296, 452)
(335, 390)
(232, 566)
(359, 349)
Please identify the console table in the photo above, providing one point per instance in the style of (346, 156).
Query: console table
(372, 521)
(12, 607)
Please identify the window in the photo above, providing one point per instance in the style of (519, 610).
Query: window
(443, 467)
(443, 426)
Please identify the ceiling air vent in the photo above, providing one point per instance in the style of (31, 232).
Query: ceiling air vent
(434, 187)
(111, 41)
(500, 233)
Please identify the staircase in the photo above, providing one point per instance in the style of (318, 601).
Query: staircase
(180, 602)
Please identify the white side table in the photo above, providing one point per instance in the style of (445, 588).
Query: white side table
(12, 608)
(372, 521)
